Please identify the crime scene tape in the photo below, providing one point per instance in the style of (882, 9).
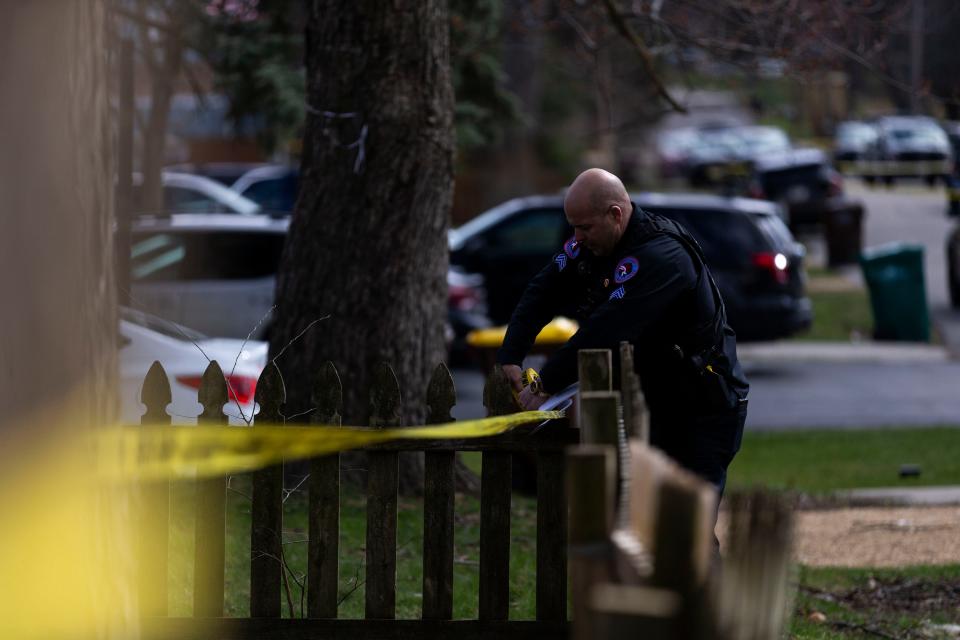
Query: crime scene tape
(161, 451)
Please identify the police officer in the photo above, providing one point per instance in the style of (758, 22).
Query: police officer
(629, 275)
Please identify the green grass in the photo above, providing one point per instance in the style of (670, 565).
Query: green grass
(352, 554)
(839, 315)
(820, 461)
(855, 602)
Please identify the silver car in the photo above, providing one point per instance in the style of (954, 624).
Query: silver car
(212, 272)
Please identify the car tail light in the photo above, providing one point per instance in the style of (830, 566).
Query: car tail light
(462, 298)
(835, 184)
(773, 263)
(239, 388)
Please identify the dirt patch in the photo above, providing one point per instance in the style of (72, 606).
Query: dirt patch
(911, 596)
(875, 536)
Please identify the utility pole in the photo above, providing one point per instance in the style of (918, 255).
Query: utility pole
(916, 56)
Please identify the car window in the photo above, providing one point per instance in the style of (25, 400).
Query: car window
(179, 200)
(773, 229)
(273, 194)
(532, 231)
(726, 237)
(216, 255)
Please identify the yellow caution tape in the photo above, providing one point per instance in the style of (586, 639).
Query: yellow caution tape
(557, 332)
(163, 451)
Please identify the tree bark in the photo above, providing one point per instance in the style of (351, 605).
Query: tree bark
(367, 248)
(58, 336)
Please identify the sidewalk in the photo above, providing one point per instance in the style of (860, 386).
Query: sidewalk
(902, 496)
(857, 352)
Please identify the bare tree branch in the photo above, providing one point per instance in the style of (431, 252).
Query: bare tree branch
(631, 36)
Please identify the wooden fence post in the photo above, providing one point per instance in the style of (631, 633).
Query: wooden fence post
(266, 520)
(636, 417)
(591, 470)
(211, 503)
(324, 546)
(438, 502)
(382, 486)
(495, 488)
(154, 521)
(595, 370)
(754, 595)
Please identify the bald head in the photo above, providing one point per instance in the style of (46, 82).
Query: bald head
(598, 208)
(596, 190)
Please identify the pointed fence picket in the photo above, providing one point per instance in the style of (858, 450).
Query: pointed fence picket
(267, 590)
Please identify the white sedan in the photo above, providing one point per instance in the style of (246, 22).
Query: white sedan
(184, 354)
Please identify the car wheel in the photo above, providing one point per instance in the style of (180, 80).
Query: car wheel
(931, 181)
(870, 180)
(888, 180)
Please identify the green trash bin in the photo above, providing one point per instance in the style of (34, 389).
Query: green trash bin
(898, 295)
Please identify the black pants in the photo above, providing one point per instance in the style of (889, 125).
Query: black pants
(703, 444)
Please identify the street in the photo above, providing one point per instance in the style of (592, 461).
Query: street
(800, 385)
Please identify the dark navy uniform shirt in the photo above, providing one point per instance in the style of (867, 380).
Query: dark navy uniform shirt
(652, 291)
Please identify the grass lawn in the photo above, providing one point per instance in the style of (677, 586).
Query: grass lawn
(839, 315)
(830, 603)
(820, 461)
(352, 554)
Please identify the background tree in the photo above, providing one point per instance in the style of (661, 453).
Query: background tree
(367, 247)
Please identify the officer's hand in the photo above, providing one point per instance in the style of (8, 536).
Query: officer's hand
(514, 374)
(530, 400)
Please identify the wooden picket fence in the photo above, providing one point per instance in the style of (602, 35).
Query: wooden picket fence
(265, 618)
(642, 551)
(640, 543)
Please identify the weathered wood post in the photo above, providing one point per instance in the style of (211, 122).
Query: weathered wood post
(266, 520)
(324, 546)
(154, 518)
(495, 489)
(382, 487)
(683, 547)
(211, 503)
(601, 417)
(591, 473)
(754, 594)
(438, 502)
(636, 416)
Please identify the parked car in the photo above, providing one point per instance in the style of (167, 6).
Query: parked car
(807, 187)
(673, 151)
(754, 258)
(274, 187)
(912, 146)
(226, 173)
(213, 272)
(216, 273)
(184, 354)
(187, 193)
(953, 182)
(759, 141)
(953, 266)
(852, 141)
(717, 155)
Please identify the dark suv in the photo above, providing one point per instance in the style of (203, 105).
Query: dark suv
(804, 183)
(751, 253)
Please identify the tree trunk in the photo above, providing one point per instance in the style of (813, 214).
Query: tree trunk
(58, 333)
(367, 249)
(165, 61)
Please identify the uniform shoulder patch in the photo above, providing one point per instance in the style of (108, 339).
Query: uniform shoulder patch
(571, 247)
(618, 293)
(627, 268)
